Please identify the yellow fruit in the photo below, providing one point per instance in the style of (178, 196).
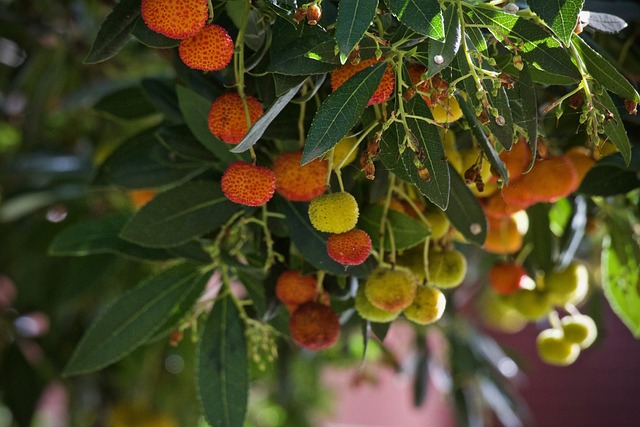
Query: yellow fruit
(427, 307)
(390, 290)
(498, 313)
(438, 222)
(532, 304)
(344, 152)
(334, 213)
(604, 149)
(446, 268)
(579, 329)
(554, 349)
(569, 285)
(446, 110)
(368, 311)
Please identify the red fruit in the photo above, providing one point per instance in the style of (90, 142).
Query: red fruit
(248, 184)
(294, 289)
(314, 13)
(299, 183)
(350, 248)
(227, 118)
(209, 50)
(435, 88)
(177, 19)
(314, 326)
(385, 88)
(505, 277)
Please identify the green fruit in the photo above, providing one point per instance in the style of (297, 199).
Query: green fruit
(413, 259)
(567, 286)
(530, 303)
(579, 329)
(427, 307)
(446, 268)
(368, 312)
(498, 313)
(438, 222)
(554, 349)
(391, 290)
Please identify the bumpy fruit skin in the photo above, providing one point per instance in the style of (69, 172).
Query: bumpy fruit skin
(177, 19)
(579, 329)
(532, 304)
(334, 213)
(294, 289)
(427, 307)
(299, 183)
(314, 326)
(248, 184)
(390, 290)
(368, 311)
(385, 88)
(554, 349)
(209, 50)
(227, 119)
(569, 285)
(446, 268)
(505, 277)
(350, 248)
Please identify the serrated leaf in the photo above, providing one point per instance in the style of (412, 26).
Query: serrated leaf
(502, 126)
(560, 15)
(131, 319)
(128, 103)
(611, 175)
(179, 215)
(114, 32)
(407, 232)
(527, 92)
(354, 18)
(464, 211)
(260, 126)
(100, 236)
(223, 368)
(614, 128)
(543, 244)
(422, 16)
(605, 73)
(447, 50)
(150, 38)
(341, 111)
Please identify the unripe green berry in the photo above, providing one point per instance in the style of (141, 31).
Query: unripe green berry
(427, 307)
(367, 311)
(446, 268)
(554, 349)
(390, 290)
(579, 329)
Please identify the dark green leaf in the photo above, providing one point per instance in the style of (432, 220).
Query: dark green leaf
(422, 16)
(162, 93)
(390, 151)
(131, 319)
(560, 15)
(260, 126)
(502, 126)
(380, 329)
(527, 93)
(114, 32)
(179, 140)
(421, 377)
(150, 38)
(614, 128)
(179, 215)
(192, 251)
(611, 175)
(285, 83)
(128, 103)
(447, 50)
(464, 211)
(543, 244)
(341, 111)
(407, 232)
(354, 18)
(223, 368)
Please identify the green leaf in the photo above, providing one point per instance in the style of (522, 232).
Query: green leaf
(543, 244)
(464, 211)
(422, 16)
(448, 49)
(195, 110)
(390, 151)
(179, 215)
(341, 111)
(143, 162)
(150, 38)
(180, 141)
(407, 232)
(605, 73)
(502, 126)
(261, 125)
(162, 93)
(560, 15)
(131, 319)
(285, 83)
(223, 368)
(611, 175)
(114, 32)
(614, 128)
(354, 17)
(100, 236)
(527, 92)
(129, 103)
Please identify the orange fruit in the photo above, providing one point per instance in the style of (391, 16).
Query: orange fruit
(299, 183)
(505, 277)
(581, 159)
(517, 160)
(503, 236)
(176, 19)
(209, 50)
(141, 197)
(314, 326)
(385, 88)
(248, 184)
(350, 248)
(294, 289)
(495, 206)
(227, 119)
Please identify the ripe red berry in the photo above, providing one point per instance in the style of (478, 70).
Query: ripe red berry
(299, 183)
(505, 277)
(294, 289)
(248, 184)
(350, 248)
(177, 19)
(209, 50)
(227, 119)
(385, 88)
(314, 326)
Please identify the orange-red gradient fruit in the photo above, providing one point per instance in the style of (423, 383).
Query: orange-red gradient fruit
(518, 159)
(141, 197)
(503, 236)
(385, 88)
(294, 289)
(314, 326)
(209, 50)
(350, 248)
(227, 119)
(177, 19)
(581, 159)
(496, 207)
(299, 183)
(248, 184)
(505, 277)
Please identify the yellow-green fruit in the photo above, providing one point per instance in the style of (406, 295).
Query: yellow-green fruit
(446, 111)
(413, 259)
(554, 349)
(498, 313)
(569, 285)
(469, 158)
(438, 221)
(451, 151)
(427, 307)
(367, 311)
(446, 268)
(579, 329)
(344, 152)
(390, 290)
(530, 303)
(334, 213)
